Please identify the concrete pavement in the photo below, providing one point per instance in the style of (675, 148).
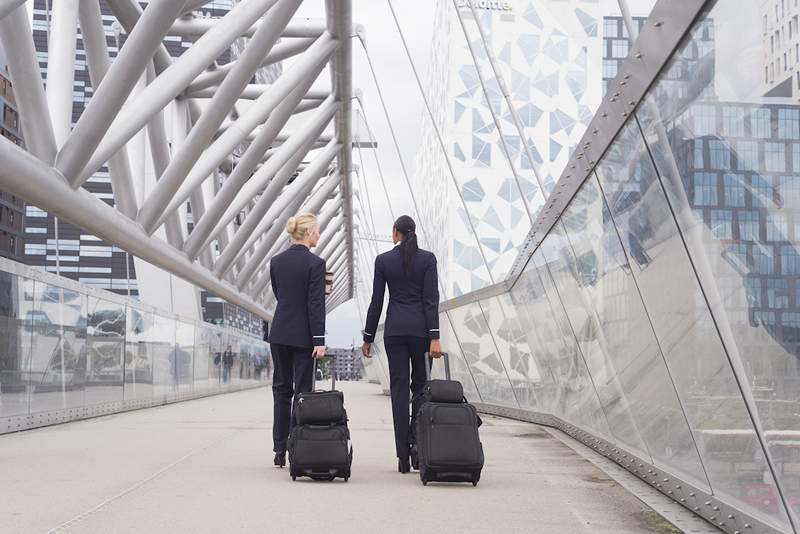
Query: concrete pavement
(205, 466)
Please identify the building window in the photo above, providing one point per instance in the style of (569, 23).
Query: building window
(752, 288)
(719, 154)
(33, 211)
(705, 120)
(775, 157)
(734, 190)
(35, 249)
(721, 224)
(619, 48)
(796, 157)
(777, 293)
(760, 126)
(777, 228)
(611, 27)
(705, 189)
(747, 155)
(762, 192)
(789, 123)
(733, 121)
(790, 260)
(698, 154)
(610, 68)
(789, 190)
(762, 260)
(748, 225)
(35, 230)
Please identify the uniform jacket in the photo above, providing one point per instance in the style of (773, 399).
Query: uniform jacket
(413, 298)
(298, 281)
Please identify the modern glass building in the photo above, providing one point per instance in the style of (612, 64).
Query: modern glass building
(548, 55)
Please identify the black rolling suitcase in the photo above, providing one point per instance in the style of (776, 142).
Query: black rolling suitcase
(319, 445)
(448, 447)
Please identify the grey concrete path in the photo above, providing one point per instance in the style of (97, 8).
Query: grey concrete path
(204, 466)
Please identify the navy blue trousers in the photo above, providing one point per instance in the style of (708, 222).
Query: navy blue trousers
(292, 374)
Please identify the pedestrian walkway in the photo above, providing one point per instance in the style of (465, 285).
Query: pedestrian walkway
(205, 466)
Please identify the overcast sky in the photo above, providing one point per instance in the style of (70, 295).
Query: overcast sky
(406, 108)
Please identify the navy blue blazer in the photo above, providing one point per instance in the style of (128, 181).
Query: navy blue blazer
(413, 298)
(298, 281)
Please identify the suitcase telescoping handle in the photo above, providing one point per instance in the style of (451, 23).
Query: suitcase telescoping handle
(429, 362)
(333, 373)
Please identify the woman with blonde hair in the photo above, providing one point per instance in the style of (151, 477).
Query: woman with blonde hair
(297, 335)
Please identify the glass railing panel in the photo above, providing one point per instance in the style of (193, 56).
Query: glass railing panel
(58, 356)
(203, 359)
(458, 364)
(478, 347)
(162, 344)
(183, 358)
(105, 351)
(509, 331)
(570, 273)
(632, 357)
(580, 403)
(725, 135)
(139, 355)
(16, 334)
(684, 327)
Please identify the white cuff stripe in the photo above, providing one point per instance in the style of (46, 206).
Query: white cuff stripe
(368, 334)
(319, 336)
(434, 329)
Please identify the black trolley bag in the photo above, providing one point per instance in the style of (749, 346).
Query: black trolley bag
(448, 447)
(319, 444)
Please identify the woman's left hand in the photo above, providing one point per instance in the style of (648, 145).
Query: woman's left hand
(319, 352)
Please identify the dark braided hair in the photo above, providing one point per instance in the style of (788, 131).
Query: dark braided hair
(406, 226)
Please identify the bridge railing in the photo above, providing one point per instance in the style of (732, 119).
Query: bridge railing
(655, 311)
(69, 351)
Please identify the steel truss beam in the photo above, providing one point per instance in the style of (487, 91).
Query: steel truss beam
(243, 173)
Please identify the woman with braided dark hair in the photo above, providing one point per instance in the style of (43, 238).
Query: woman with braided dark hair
(412, 325)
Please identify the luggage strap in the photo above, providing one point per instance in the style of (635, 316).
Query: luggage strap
(429, 362)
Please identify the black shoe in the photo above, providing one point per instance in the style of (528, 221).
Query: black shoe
(280, 459)
(403, 465)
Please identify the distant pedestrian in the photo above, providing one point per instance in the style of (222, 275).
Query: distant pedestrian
(227, 364)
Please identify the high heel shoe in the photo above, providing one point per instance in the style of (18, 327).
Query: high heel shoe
(280, 459)
(403, 465)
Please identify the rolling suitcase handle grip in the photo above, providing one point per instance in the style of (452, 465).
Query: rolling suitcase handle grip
(429, 363)
(333, 373)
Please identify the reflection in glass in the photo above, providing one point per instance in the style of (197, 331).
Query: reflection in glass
(16, 307)
(684, 328)
(162, 343)
(58, 354)
(579, 402)
(572, 277)
(458, 364)
(510, 336)
(182, 359)
(749, 269)
(139, 355)
(105, 349)
(479, 350)
(631, 363)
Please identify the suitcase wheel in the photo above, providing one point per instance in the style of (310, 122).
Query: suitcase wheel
(346, 479)
(424, 482)
(294, 478)
(475, 479)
